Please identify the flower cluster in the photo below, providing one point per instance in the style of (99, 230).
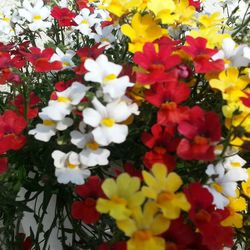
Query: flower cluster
(134, 116)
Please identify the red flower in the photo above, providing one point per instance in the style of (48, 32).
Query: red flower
(158, 66)
(132, 171)
(82, 4)
(11, 128)
(195, 3)
(179, 236)
(3, 165)
(246, 100)
(208, 219)
(40, 60)
(201, 55)
(32, 101)
(64, 16)
(160, 137)
(121, 245)
(161, 141)
(170, 114)
(167, 92)
(85, 209)
(201, 129)
(26, 243)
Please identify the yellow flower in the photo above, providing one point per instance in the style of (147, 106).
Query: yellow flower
(210, 20)
(142, 29)
(123, 196)
(235, 219)
(230, 84)
(172, 11)
(246, 185)
(143, 228)
(120, 7)
(162, 188)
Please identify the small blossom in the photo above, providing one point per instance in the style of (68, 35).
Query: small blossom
(69, 168)
(36, 15)
(162, 187)
(106, 73)
(123, 195)
(106, 121)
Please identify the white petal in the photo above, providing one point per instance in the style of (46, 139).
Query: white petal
(94, 157)
(64, 124)
(91, 117)
(119, 111)
(59, 158)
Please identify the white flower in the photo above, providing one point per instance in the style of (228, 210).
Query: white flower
(106, 121)
(92, 154)
(6, 30)
(223, 178)
(69, 168)
(64, 58)
(44, 131)
(36, 15)
(66, 100)
(85, 21)
(106, 73)
(233, 53)
(104, 35)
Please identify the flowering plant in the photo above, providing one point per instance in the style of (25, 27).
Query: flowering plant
(133, 117)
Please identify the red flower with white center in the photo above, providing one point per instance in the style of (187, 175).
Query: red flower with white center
(201, 130)
(158, 65)
(3, 165)
(202, 56)
(167, 92)
(32, 101)
(41, 60)
(64, 16)
(207, 219)
(11, 128)
(85, 209)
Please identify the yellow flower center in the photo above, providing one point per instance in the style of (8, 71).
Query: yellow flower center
(165, 196)
(142, 235)
(93, 145)
(63, 99)
(66, 64)
(103, 40)
(71, 166)
(218, 187)
(48, 123)
(118, 200)
(108, 122)
(109, 77)
(36, 18)
(235, 164)
(84, 22)
(6, 19)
